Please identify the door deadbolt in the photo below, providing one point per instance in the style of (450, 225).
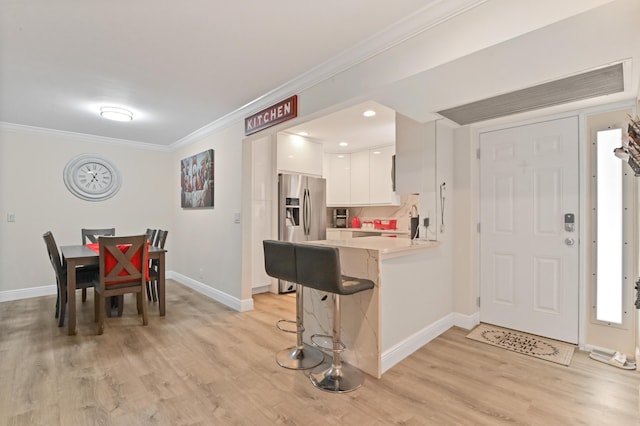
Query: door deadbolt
(569, 241)
(569, 222)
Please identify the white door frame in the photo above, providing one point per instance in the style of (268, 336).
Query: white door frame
(558, 316)
(582, 182)
(583, 186)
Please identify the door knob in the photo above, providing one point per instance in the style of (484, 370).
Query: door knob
(569, 241)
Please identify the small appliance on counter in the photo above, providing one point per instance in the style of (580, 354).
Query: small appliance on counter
(355, 222)
(385, 224)
(340, 218)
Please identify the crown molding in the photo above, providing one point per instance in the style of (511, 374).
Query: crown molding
(422, 20)
(80, 137)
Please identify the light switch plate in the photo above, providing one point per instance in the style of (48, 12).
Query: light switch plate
(236, 217)
(11, 217)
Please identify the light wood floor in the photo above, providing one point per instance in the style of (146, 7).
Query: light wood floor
(206, 364)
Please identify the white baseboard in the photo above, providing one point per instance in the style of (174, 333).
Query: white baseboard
(27, 293)
(230, 301)
(414, 342)
(215, 294)
(259, 290)
(466, 321)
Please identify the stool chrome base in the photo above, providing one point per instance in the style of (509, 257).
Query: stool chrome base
(330, 378)
(299, 358)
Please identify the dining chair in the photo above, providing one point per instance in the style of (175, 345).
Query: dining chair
(151, 235)
(91, 236)
(123, 269)
(84, 277)
(152, 284)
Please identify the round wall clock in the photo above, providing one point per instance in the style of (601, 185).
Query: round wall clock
(91, 177)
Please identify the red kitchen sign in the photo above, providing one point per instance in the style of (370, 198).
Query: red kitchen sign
(275, 114)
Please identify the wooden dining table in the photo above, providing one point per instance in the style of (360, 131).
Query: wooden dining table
(81, 255)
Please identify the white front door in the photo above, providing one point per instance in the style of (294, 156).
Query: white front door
(529, 257)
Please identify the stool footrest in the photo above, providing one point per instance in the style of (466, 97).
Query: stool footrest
(299, 327)
(320, 341)
(302, 358)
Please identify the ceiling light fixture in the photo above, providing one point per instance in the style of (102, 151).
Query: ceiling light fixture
(303, 133)
(343, 144)
(115, 113)
(369, 113)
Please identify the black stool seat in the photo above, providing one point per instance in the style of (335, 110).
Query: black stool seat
(318, 267)
(280, 262)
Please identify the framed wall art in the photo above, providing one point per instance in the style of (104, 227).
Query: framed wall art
(196, 180)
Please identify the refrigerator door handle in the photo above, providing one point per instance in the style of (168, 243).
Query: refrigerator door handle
(306, 211)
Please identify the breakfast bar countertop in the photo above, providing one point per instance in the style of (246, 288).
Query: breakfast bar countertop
(372, 230)
(388, 247)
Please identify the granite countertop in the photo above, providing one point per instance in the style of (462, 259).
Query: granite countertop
(377, 231)
(384, 245)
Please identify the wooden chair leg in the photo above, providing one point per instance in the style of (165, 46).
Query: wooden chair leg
(154, 290)
(143, 301)
(101, 306)
(58, 304)
(120, 304)
(95, 306)
(62, 309)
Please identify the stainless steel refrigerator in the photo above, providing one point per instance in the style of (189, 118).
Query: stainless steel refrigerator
(302, 212)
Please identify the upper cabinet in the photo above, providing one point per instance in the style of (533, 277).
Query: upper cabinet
(381, 177)
(338, 175)
(361, 178)
(299, 155)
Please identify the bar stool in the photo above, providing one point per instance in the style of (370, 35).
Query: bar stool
(319, 267)
(280, 262)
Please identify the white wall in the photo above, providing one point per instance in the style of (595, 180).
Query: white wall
(208, 242)
(31, 167)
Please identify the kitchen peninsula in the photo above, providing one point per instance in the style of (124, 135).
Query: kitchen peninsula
(377, 324)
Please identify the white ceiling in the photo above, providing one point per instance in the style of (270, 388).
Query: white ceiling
(177, 65)
(181, 66)
(350, 126)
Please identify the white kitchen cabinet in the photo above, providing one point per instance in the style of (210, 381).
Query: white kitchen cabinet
(360, 178)
(380, 179)
(339, 180)
(368, 181)
(299, 155)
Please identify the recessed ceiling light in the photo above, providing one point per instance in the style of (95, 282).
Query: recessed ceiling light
(376, 152)
(369, 113)
(303, 133)
(115, 113)
(343, 144)
(340, 156)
